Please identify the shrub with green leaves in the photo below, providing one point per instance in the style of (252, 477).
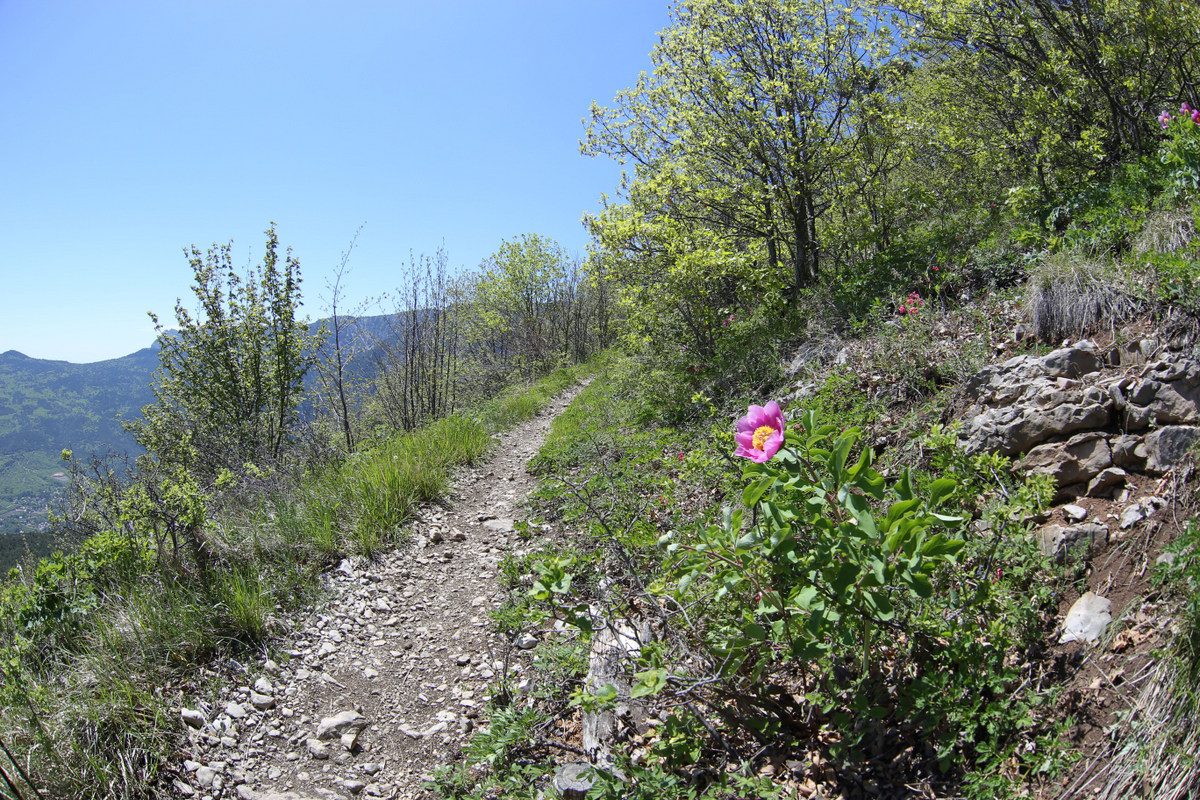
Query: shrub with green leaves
(870, 593)
(809, 565)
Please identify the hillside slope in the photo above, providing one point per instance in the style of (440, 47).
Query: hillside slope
(48, 406)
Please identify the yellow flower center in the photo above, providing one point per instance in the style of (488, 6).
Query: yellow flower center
(760, 436)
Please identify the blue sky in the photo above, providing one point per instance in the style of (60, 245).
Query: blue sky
(129, 130)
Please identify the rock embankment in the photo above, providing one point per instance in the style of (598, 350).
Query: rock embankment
(1087, 417)
(1109, 426)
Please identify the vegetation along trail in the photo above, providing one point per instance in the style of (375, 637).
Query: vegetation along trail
(387, 680)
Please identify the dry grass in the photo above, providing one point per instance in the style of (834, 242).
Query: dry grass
(1155, 749)
(1069, 296)
(1166, 232)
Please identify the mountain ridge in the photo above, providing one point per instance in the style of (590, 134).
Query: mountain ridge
(51, 405)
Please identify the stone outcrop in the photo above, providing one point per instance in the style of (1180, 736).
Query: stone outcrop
(1087, 418)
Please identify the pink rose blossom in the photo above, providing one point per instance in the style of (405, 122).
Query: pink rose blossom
(760, 433)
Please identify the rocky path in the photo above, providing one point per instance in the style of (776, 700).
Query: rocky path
(385, 682)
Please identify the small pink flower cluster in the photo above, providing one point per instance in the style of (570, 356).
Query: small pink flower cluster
(912, 305)
(1185, 111)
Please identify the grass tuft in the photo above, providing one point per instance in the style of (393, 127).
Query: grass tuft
(1070, 296)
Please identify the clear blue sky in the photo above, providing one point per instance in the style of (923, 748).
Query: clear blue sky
(129, 130)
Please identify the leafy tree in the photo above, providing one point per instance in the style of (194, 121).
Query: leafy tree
(746, 127)
(1069, 87)
(230, 377)
(519, 310)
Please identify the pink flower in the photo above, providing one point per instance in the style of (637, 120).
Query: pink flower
(901, 310)
(760, 433)
(1164, 118)
(681, 456)
(936, 269)
(1185, 109)
(728, 321)
(1196, 116)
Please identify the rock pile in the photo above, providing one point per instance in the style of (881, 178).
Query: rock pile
(1085, 418)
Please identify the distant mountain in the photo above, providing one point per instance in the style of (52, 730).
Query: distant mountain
(48, 406)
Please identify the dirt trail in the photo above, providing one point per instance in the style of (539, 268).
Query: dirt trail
(402, 655)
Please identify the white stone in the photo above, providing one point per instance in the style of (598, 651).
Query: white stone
(317, 749)
(1132, 516)
(340, 723)
(1087, 619)
(192, 718)
(205, 776)
(262, 701)
(1077, 513)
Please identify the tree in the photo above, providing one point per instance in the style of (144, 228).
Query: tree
(230, 377)
(1070, 86)
(520, 305)
(747, 125)
(341, 348)
(419, 359)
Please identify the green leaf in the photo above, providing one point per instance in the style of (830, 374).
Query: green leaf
(904, 489)
(752, 493)
(881, 604)
(837, 459)
(606, 694)
(864, 461)
(897, 510)
(755, 632)
(871, 482)
(877, 567)
(843, 578)
(750, 539)
(650, 682)
(858, 506)
(939, 490)
(941, 545)
(921, 585)
(805, 597)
